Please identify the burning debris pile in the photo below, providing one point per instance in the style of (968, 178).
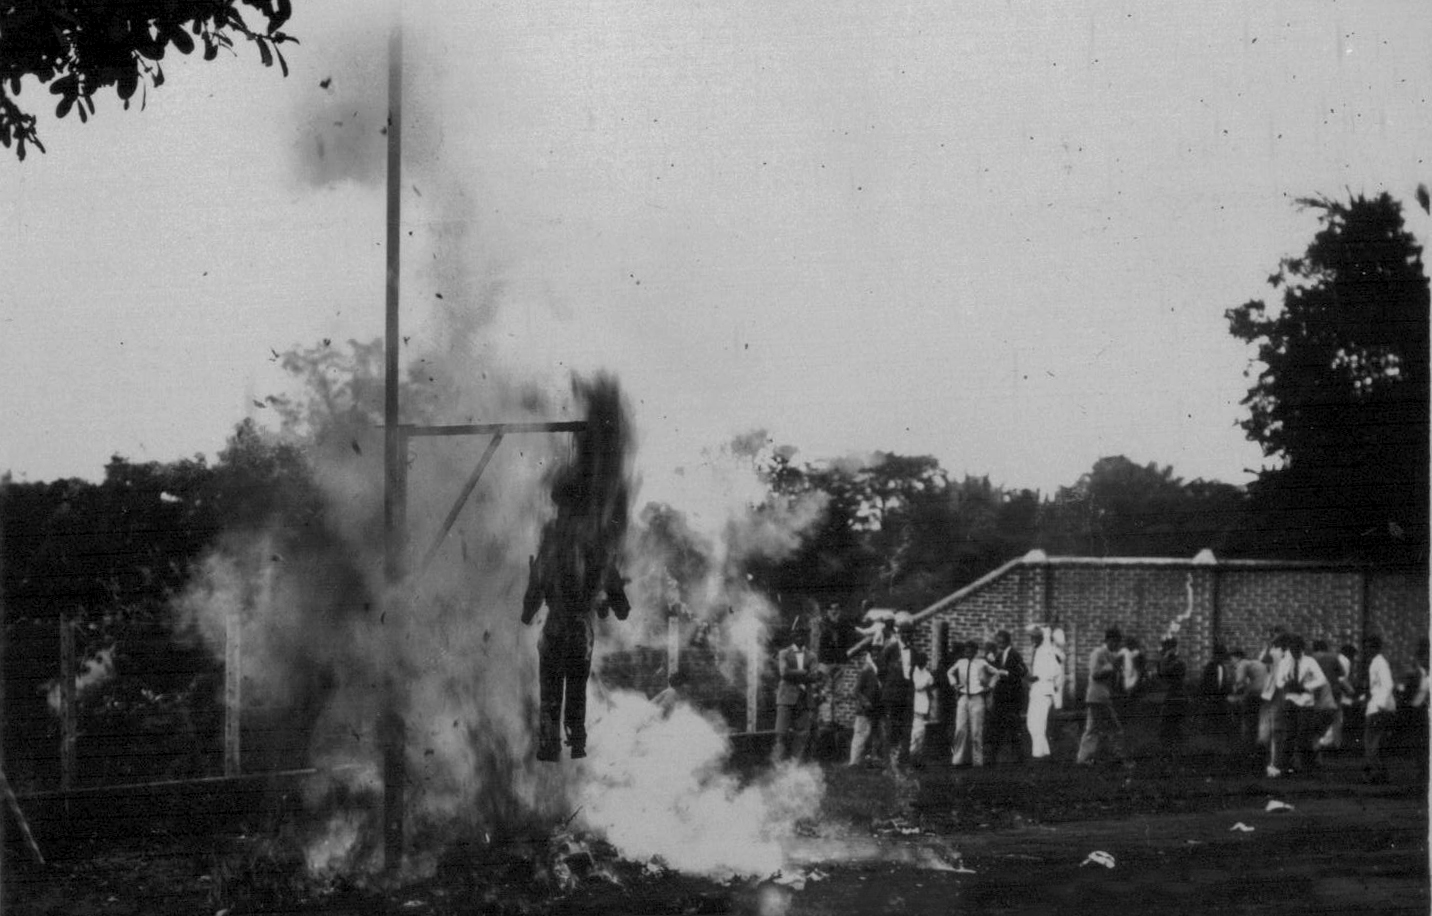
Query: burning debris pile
(329, 646)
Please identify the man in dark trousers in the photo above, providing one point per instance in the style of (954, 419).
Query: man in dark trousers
(897, 691)
(1006, 711)
(1173, 671)
(575, 569)
(1215, 686)
(795, 697)
(575, 582)
(867, 707)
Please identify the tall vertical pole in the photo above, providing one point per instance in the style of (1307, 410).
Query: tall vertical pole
(4, 655)
(233, 683)
(753, 678)
(391, 731)
(939, 635)
(68, 731)
(673, 645)
(393, 496)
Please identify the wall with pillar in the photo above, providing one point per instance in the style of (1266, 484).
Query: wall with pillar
(1201, 601)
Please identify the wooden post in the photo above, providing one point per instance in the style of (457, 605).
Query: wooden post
(233, 684)
(673, 644)
(753, 678)
(938, 636)
(1071, 667)
(67, 703)
(1364, 606)
(393, 730)
(4, 643)
(392, 734)
(13, 804)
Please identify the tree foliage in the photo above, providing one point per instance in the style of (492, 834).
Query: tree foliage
(899, 532)
(80, 47)
(1121, 508)
(110, 556)
(1340, 404)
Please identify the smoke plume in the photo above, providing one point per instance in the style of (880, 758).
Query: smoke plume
(328, 644)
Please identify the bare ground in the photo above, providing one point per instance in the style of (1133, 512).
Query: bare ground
(1004, 839)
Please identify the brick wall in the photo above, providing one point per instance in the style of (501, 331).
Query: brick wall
(1397, 611)
(1317, 603)
(1235, 602)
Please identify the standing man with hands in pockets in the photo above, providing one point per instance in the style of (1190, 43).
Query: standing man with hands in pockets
(795, 700)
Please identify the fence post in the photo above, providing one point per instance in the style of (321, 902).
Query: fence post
(939, 634)
(67, 703)
(1071, 667)
(233, 684)
(673, 644)
(753, 677)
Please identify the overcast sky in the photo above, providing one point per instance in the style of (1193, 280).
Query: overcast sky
(1000, 233)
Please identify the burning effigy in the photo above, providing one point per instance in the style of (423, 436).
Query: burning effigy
(575, 570)
(331, 645)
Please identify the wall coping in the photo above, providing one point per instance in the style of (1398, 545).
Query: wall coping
(1196, 563)
(1205, 561)
(981, 582)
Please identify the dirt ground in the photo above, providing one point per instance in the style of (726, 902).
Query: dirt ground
(1004, 839)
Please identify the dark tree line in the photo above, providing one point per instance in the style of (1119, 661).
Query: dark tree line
(110, 557)
(899, 532)
(1340, 400)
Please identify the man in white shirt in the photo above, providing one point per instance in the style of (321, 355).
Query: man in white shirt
(1279, 720)
(923, 683)
(1307, 696)
(1381, 707)
(970, 677)
(1046, 680)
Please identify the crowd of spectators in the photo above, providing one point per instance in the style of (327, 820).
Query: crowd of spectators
(1280, 709)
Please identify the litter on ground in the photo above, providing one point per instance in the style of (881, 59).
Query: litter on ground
(1098, 857)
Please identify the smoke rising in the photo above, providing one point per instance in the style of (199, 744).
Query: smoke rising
(329, 644)
(340, 122)
(657, 788)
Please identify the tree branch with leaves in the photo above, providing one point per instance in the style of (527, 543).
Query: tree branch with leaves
(79, 48)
